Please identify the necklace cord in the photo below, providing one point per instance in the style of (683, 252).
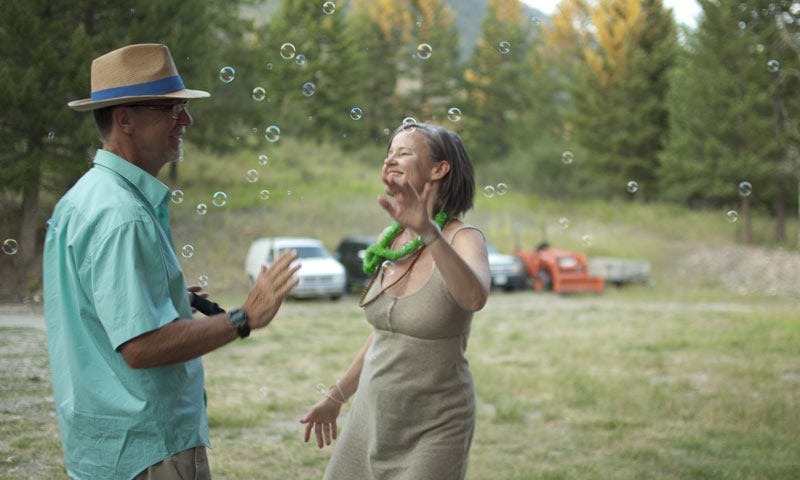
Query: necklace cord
(375, 275)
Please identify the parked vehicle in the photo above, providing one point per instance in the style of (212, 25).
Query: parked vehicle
(350, 253)
(508, 272)
(561, 271)
(320, 274)
(620, 271)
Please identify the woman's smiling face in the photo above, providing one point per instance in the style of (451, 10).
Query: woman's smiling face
(408, 159)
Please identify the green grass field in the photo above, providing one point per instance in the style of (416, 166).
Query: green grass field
(688, 377)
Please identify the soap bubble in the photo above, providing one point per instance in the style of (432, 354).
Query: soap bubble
(264, 194)
(488, 191)
(202, 280)
(272, 133)
(424, 51)
(251, 176)
(454, 114)
(567, 157)
(356, 113)
(227, 74)
(10, 246)
(263, 159)
(745, 189)
(177, 196)
(219, 199)
(388, 268)
(287, 51)
(733, 216)
(633, 186)
(321, 389)
(564, 223)
(409, 121)
(309, 89)
(187, 251)
(51, 135)
(259, 94)
(501, 188)
(300, 59)
(504, 47)
(587, 240)
(328, 8)
(536, 20)
(773, 66)
(202, 208)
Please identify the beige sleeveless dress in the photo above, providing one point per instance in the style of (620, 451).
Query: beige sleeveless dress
(413, 415)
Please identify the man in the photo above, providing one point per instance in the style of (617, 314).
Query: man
(124, 348)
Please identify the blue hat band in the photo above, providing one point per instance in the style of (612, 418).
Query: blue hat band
(158, 87)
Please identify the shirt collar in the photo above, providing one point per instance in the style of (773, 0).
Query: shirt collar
(149, 186)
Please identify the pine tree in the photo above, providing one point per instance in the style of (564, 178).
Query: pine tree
(47, 48)
(618, 54)
(499, 82)
(729, 115)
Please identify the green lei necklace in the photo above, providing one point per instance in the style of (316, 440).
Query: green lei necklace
(377, 252)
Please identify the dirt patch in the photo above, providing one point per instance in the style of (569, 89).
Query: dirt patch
(745, 270)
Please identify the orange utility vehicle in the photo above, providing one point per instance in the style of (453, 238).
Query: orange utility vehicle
(561, 271)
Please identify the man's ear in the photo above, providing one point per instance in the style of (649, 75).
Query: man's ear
(440, 169)
(122, 119)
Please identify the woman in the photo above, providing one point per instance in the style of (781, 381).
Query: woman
(414, 413)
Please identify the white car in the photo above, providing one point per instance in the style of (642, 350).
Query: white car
(320, 274)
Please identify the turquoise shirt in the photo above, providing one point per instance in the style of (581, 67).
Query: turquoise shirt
(110, 275)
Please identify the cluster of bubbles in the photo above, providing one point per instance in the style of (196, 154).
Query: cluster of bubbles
(489, 191)
(745, 190)
(10, 246)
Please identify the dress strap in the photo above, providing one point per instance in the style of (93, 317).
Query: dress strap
(464, 226)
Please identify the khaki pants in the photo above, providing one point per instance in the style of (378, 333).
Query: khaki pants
(189, 464)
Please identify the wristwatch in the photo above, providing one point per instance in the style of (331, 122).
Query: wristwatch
(238, 319)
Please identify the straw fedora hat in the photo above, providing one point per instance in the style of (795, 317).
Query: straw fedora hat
(134, 73)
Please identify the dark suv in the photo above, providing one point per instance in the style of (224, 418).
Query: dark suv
(350, 253)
